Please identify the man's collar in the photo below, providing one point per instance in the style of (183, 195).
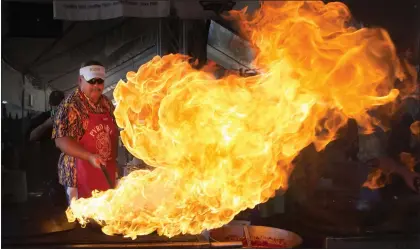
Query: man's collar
(87, 98)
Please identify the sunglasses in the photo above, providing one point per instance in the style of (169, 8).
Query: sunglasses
(96, 81)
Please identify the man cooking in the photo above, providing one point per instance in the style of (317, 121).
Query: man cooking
(86, 133)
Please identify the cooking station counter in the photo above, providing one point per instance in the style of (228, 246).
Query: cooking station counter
(91, 238)
(38, 224)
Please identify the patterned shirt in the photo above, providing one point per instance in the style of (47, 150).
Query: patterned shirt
(71, 120)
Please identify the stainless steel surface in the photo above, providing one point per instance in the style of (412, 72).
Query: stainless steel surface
(268, 234)
(228, 244)
(227, 49)
(85, 238)
(82, 237)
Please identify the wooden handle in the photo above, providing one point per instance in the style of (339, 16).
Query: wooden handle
(108, 179)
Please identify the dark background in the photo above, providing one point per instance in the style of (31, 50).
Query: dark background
(400, 17)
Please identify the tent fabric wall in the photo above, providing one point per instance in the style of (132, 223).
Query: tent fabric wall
(119, 43)
(112, 42)
(114, 49)
(13, 80)
(82, 10)
(14, 84)
(195, 10)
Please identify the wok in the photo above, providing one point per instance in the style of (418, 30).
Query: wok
(256, 236)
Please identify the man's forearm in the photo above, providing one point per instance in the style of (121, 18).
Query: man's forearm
(39, 131)
(389, 165)
(71, 147)
(399, 169)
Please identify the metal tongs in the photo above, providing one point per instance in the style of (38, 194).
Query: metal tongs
(108, 179)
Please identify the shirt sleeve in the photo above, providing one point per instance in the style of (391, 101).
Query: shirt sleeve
(67, 122)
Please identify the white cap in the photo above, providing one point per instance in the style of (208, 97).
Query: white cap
(93, 71)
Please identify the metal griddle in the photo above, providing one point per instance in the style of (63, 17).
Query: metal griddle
(39, 224)
(36, 217)
(84, 238)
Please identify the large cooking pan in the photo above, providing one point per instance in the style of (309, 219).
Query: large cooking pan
(250, 236)
(256, 236)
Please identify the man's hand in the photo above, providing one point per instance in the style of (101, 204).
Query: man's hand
(391, 166)
(96, 161)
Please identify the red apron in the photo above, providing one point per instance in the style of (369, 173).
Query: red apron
(100, 138)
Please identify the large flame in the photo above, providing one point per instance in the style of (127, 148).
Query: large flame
(223, 145)
(377, 178)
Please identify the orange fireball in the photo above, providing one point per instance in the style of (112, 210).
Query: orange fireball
(224, 145)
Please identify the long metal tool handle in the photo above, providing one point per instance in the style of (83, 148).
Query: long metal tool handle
(108, 179)
(247, 237)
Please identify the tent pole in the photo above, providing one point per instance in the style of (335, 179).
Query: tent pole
(23, 95)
